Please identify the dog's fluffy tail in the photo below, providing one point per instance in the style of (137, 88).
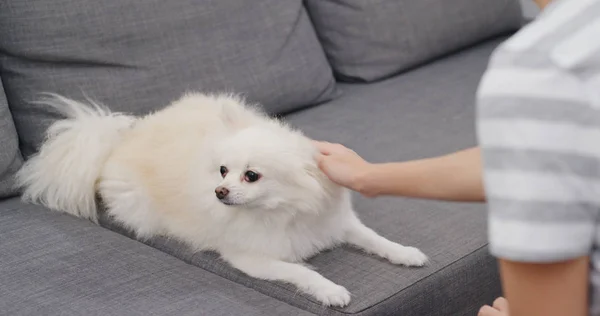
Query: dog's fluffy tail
(63, 174)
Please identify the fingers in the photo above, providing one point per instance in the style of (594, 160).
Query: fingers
(327, 148)
(321, 163)
(319, 158)
(501, 304)
(323, 147)
(489, 311)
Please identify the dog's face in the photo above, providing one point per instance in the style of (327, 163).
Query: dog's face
(265, 168)
(240, 184)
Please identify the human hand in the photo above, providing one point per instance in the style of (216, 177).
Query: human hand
(342, 165)
(499, 308)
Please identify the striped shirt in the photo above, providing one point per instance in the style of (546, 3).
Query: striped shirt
(538, 125)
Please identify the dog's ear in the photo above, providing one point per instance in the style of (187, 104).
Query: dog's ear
(236, 113)
(319, 178)
(234, 119)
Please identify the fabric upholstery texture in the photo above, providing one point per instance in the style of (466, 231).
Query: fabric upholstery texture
(371, 40)
(10, 156)
(54, 264)
(136, 56)
(426, 112)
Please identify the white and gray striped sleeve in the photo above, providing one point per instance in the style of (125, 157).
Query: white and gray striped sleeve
(538, 124)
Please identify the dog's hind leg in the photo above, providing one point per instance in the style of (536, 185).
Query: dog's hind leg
(307, 280)
(364, 238)
(127, 203)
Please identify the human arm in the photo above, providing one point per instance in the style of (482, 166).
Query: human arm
(453, 177)
(537, 131)
(546, 289)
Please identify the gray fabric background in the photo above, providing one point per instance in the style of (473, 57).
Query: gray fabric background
(10, 156)
(137, 56)
(366, 40)
(54, 264)
(429, 111)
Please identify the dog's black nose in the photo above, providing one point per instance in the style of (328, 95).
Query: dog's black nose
(221, 192)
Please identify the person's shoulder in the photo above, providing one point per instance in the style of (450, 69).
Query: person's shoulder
(565, 35)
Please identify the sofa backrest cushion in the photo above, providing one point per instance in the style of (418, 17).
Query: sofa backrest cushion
(137, 56)
(367, 40)
(10, 156)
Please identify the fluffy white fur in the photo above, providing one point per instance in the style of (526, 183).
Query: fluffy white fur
(158, 174)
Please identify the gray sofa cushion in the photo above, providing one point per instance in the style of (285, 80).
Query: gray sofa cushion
(138, 55)
(370, 40)
(55, 264)
(426, 112)
(10, 156)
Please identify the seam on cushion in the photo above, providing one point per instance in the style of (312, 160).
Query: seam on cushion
(18, 158)
(274, 283)
(283, 289)
(79, 62)
(443, 57)
(189, 262)
(507, 6)
(419, 281)
(173, 270)
(11, 209)
(330, 308)
(291, 33)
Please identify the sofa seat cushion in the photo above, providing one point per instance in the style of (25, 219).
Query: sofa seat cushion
(54, 264)
(10, 156)
(426, 112)
(371, 40)
(136, 56)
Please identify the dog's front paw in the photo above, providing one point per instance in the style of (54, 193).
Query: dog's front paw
(331, 294)
(408, 256)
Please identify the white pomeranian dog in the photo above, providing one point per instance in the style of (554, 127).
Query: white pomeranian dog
(212, 172)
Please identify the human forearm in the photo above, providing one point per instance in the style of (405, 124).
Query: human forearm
(453, 177)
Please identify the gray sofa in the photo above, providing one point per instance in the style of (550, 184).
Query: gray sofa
(393, 79)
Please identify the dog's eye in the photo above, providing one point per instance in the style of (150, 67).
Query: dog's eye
(252, 176)
(223, 171)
